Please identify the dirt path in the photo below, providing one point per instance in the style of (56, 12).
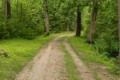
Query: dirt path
(47, 65)
(81, 67)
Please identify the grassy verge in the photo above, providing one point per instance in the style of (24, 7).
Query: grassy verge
(71, 70)
(21, 52)
(91, 55)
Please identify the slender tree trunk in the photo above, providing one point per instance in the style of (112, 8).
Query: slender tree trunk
(79, 26)
(67, 23)
(119, 27)
(7, 9)
(46, 18)
(21, 11)
(90, 37)
(68, 27)
(73, 26)
(17, 6)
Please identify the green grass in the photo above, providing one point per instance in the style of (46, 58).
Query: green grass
(89, 55)
(71, 69)
(21, 51)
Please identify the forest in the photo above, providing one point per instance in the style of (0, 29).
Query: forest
(87, 32)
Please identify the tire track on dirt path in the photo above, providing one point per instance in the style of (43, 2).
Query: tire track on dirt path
(47, 65)
(85, 73)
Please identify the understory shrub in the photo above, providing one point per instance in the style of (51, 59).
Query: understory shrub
(13, 29)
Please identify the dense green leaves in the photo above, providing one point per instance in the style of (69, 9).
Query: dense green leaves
(107, 31)
(28, 20)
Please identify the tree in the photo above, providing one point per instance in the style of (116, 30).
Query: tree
(21, 11)
(67, 22)
(93, 22)
(7, 9)
(46, 18)
(79, 26)
(119, 26)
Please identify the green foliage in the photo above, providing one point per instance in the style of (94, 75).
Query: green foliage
(106, 44)
(20, 52)
(107, 32)
(30, 15)
(27, 33)
(61, 14)
(26, 21)
(89, 54)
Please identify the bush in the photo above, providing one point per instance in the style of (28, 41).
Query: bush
(15, 29)
(27, 33)
(4, 34)
(107, 42)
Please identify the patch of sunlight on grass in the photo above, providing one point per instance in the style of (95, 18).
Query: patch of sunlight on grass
(21, 51)
(88, 54)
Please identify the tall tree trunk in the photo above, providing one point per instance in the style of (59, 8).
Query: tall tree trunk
(21, 11)
(67, 23)
(79, 26)
(119, 26)
(17, 7)
(90, 37)
(46, 18)
(7, 9)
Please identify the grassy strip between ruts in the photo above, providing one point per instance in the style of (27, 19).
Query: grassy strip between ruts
(71, 69)
(91, 55)
(21, 51)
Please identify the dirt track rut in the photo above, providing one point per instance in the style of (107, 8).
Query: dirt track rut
(85, 73)
(47, 65)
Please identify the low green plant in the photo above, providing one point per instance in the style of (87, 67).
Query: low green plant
(20, 52)
(71, 70)
(89, 54)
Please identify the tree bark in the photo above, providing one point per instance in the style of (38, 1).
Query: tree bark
(79, 26)
(46, 18)
(67, 23)
(17, 7)
(90, 37)
(119, 26)
(7, 9)
(21, 11)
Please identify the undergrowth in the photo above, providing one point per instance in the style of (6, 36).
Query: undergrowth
(91, 55)
(20, 52)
